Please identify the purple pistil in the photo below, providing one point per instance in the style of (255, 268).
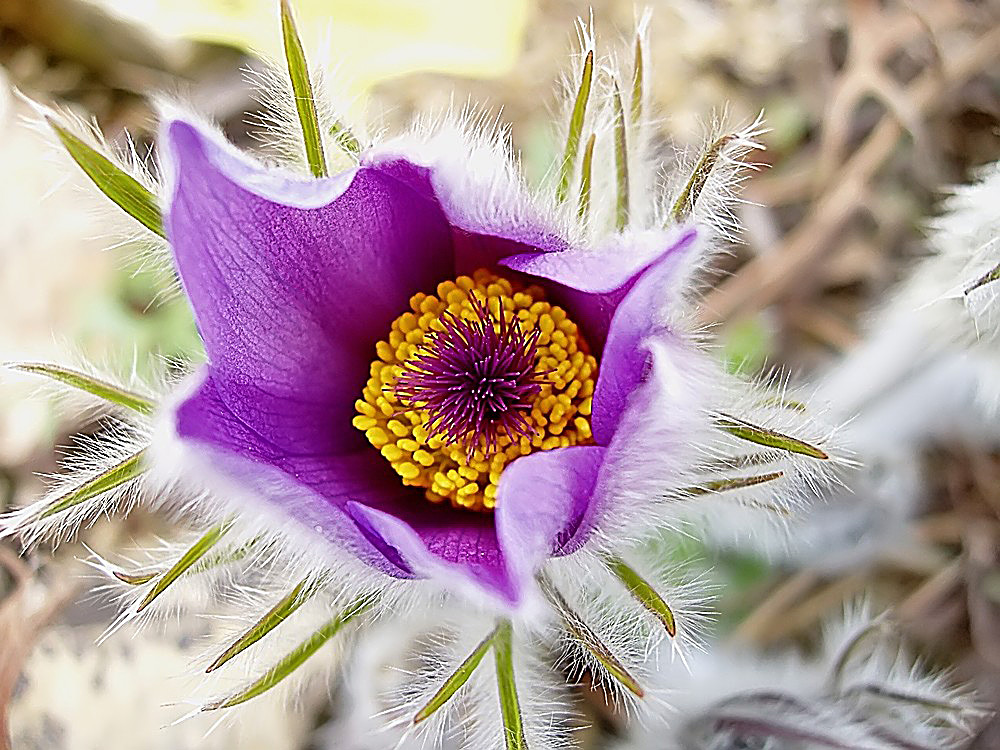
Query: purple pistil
(475, 379)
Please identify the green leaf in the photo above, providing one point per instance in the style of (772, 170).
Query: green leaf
(272, 619)
(89, 384)
(734, 483)
(122, 188)
(197, 551)
(305, 103)
(586, 182)
(587, 638)
(458, 678)
(644, 593)
(637, 84)
(575, 128)
(510, 706)
(294, 659)
(763, 436)
(621, 164)
(685, 203)
(129, 469)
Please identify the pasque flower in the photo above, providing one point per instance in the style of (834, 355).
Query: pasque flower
(429, 388)
(388, 366)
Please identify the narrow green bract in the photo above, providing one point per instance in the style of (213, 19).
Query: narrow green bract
(734, 483)
(272, 619)
(587, 638)
(621, 164)
(644, 593)
(762, 436)
(197, 551)
(305, 103)
(122, 188)
(684, 205)
(575, 128)
(294, 659)
(129, 469)
(457, 679)
(510, 706)
(89, 384)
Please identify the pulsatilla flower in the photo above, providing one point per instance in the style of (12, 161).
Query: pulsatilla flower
(433, 391)
(403, 381)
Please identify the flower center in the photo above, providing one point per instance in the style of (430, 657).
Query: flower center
(471, 379)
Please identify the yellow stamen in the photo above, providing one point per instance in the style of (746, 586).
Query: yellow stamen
(560, 411)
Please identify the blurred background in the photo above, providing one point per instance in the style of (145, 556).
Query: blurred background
(874, 108)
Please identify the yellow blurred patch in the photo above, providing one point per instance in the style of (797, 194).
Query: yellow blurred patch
(370, 40)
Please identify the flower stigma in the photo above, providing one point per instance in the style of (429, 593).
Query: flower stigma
(472, 378)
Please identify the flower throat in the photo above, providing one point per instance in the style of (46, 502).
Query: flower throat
(471, 379)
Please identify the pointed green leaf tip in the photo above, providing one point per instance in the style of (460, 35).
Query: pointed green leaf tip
(197, 551)
(133, 579)
(763, 436)
(295, 658)
(644, 593)
(510, 706)
(458, 678)
(305, 102)
(272, 619)
(637, 84)
(575, 128)
(129, 469)
(89, 384)
(122, 188)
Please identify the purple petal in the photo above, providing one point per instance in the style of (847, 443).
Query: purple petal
(289, 300)
(455, 547)
(591, 284)
(624, 361)
(311, 490)
(609, 269)
(657, 437)
(483, 197)
(352, 500)
(542, 502)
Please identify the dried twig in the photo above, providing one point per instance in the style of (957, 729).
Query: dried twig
(766, 278)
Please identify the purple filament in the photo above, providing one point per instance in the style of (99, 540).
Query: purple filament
(475, 382)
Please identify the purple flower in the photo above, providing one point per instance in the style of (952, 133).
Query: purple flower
(295, 283)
